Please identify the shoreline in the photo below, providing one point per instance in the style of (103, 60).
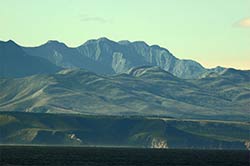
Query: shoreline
(116, 147)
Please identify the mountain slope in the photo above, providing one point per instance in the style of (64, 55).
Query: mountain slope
(230, 84)
(61, 55)
(14, 62)
(143, 91)
(104, 56)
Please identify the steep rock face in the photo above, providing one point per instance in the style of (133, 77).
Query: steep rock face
(109, 57)
(14, 62)
(66, 57)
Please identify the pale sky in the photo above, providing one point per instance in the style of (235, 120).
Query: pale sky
(212, 32)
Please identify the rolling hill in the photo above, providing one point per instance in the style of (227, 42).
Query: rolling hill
(144, 91)
(62, 129)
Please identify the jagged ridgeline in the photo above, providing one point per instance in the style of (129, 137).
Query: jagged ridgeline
(101, 56)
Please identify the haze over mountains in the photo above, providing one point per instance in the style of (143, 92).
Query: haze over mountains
(104, 56)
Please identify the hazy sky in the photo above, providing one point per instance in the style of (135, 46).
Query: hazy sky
(213, 32)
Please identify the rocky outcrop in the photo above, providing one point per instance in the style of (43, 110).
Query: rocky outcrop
(74, 138)
(159, 143)
(247, 144)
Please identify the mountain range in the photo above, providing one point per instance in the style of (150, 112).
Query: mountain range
(101, 56)
(107, 93)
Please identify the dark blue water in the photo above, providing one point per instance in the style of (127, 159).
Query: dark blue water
(41, 155)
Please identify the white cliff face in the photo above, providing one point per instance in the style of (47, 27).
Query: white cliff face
(247, 144)
(57, 58)
(119, 63)
(74, 138)
(159, 143)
